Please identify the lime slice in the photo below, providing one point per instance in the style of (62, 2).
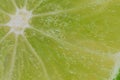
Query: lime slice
(59, 40)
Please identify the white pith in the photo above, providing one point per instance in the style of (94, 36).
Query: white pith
(19, 21)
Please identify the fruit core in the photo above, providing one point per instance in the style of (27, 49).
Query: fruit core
(19, 21)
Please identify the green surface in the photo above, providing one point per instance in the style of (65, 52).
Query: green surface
(68, 40)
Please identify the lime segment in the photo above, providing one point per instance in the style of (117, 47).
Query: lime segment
(59, 40)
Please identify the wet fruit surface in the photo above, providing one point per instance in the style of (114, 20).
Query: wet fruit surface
(63, 40)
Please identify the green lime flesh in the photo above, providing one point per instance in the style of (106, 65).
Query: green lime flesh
(66, 40)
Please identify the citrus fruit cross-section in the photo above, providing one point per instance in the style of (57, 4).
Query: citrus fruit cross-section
(59, 40)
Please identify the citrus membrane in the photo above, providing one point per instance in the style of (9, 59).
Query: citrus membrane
(59, 40)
